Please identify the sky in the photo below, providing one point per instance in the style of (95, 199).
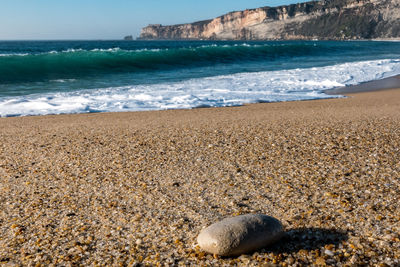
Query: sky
(107, 19)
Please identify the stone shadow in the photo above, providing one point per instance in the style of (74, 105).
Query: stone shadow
(307, 239)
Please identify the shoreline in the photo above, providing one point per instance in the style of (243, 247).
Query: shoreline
(137, 187)
(388, 83)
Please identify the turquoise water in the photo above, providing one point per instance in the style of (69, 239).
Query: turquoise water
(47, 77)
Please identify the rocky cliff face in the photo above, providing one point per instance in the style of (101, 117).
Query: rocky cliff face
(328, 19)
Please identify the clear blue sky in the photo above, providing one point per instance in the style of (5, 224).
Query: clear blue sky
(107, 19)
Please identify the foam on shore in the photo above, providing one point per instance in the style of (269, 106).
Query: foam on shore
(376, 85)
(218, 91)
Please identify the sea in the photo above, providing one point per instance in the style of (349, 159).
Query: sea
(63, 77)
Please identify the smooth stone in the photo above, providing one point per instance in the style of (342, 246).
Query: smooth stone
(240, 235)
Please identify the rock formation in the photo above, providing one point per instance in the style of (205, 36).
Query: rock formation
(328, 19)
(128, 38)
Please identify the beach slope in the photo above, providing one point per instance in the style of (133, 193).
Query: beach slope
(138, 187)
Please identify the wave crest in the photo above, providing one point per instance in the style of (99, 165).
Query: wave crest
(75, 63)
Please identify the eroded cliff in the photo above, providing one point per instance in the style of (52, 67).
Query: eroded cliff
(329, 19)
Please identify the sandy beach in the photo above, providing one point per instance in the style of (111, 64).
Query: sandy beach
(136, 188)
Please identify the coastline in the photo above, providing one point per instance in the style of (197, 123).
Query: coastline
(377, 85)
(137, 187)
(26, 90)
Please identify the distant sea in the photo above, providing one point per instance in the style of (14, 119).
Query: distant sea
(55, 77)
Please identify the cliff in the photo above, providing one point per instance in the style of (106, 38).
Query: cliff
(329, 19)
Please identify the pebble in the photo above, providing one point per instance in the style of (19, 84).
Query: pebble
(329, 252)
(239, 235)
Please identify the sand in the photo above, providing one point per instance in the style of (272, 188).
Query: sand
(137, 188)
(377, 85)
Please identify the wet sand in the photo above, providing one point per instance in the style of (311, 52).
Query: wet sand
(137, 188)
(378, 85)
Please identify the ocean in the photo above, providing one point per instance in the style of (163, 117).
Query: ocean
(61, 77)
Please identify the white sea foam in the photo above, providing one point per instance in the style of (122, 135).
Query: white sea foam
(226, 90)
(70, 50)
(115, 49)
(63, 80)
(14, 54)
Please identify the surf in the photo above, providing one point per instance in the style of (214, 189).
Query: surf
(78, 63)
(217, 91)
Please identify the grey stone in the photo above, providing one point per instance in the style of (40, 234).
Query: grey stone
(240, 235)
